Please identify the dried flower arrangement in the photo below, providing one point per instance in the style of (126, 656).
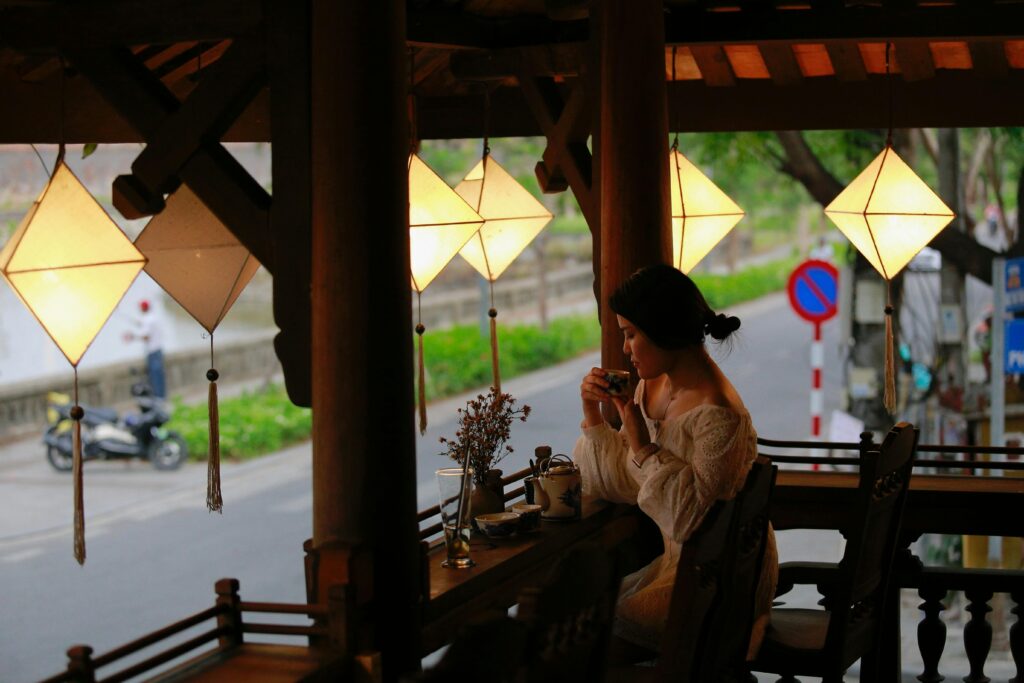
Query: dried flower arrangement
(484, 426)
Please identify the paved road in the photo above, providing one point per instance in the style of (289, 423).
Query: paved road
(154, 551)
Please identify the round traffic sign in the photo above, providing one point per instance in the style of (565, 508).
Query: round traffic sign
(813, 289)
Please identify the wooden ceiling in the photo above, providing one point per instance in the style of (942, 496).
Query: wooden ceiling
(739, 65)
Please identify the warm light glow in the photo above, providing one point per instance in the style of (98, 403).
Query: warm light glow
(69, 263)
(512, 217)
(888, 213)
(701, 213)
(195, 258)
(440, 223)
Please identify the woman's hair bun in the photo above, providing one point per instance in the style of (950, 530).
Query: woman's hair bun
(721, 326)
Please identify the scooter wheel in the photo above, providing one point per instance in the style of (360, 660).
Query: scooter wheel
(169, 453)
(62, 462)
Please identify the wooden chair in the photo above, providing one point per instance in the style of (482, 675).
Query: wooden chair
(569, 618)
(711, 614)
(824, 643)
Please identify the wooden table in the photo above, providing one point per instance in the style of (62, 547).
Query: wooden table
(504, 567)
(985, 506)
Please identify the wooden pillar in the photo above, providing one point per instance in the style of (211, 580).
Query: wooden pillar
(364, 474)
(632, 150)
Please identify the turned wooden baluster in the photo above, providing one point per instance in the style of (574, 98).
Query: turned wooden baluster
(977, 634)
(1017, 636)
(80, 662)
(931, 633)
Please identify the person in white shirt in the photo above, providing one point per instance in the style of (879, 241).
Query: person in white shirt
(151, 334)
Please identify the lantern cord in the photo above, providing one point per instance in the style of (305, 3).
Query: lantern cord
(413, 132)
(421, 395)
(492, 313)
(60, 148)
(890, 360)
(76, 466)
(487, 127)
(214, 500)
(888, 78)
(46, 169)
(675, 139)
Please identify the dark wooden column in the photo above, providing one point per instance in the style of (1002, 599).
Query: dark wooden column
(632, 149)
(364, 475)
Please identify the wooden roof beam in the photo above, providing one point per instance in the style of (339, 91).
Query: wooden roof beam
(915, 59)
(46, 26)
(830, 21)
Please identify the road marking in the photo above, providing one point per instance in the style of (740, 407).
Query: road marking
(21, 556)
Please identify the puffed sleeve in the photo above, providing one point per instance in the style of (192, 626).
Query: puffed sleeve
(676, 492)
(602, 456)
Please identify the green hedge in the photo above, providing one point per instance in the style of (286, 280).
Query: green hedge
(457, 359)
(251, 424)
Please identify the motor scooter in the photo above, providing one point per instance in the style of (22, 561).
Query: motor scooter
(108, 436)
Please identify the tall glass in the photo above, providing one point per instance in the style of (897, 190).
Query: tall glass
(456, 486)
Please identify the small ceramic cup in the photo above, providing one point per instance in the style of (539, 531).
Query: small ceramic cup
(618, 382)
(498, 524)
(529, 516)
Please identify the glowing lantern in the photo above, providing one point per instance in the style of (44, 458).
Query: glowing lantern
(440, 223)
(701, 213)
(889, 214)
(70, 265)
(512, 218)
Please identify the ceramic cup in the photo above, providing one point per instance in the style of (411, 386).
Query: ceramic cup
(618, 381)
(529, 516)
(498, 524)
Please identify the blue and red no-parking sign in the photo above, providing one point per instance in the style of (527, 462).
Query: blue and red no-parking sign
(813, 290)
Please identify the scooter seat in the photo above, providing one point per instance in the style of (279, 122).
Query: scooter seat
(99, 415)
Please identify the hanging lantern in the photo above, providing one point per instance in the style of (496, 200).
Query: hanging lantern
(701, 213)
(889, 214)
(202, 266)
(70, 265)
(512, 218)
(440, 223)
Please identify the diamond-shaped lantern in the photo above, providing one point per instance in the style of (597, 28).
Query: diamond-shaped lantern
(512, 218)
(701, 213)
(440, 222)
(202, 266)
(195, 258)
(889, 215)
(70, 265)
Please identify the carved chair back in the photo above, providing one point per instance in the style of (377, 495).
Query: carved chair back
(712, 610)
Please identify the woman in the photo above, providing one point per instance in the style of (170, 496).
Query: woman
(686, 441)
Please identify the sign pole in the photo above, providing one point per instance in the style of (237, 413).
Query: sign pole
(817, 401)
(997, 407)
(813, 293)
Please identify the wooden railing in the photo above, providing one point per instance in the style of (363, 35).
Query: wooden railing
(943, 504)
(228, 631)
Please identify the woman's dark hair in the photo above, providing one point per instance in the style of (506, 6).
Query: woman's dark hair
(666, 306)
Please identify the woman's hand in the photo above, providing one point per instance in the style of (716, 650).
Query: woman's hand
(594, 391)
(633, 420)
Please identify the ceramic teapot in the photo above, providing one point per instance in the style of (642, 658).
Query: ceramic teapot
(559, 488)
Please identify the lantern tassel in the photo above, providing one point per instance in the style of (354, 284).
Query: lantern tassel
(890, 361)
(214, 501)
(421, 397)
(76, 473)
(493, 313)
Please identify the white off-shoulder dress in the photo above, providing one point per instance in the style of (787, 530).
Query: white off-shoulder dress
(705, 455)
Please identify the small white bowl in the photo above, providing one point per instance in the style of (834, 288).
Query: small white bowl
(498, 524)
(529, 516)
